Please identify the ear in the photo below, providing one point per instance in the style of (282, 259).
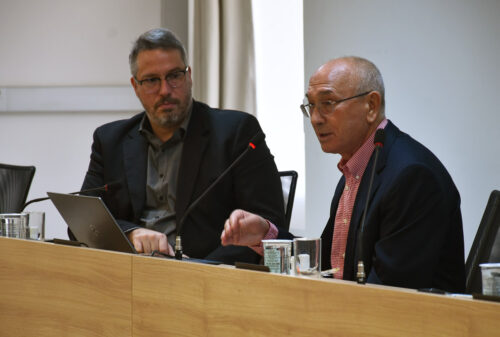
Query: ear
(135, 85)
(189, 78)
(374, 103)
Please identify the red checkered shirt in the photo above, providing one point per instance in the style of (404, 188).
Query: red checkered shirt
(353, 171)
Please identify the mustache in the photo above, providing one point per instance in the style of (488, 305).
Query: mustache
(167, 100)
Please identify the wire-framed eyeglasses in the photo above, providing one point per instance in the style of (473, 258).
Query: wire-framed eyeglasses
(325, 107)
(174, 79)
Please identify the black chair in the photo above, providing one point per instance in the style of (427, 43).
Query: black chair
(486, 245)
(15, 183)
(288, 185)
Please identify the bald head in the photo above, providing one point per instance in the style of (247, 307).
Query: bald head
(352, 74)
(345, 101)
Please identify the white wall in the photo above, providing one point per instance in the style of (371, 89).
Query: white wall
(279, 73)
(439, 60)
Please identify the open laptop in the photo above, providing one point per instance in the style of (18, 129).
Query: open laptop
(91, 222)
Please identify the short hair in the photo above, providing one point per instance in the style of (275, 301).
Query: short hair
(158, 38)
(369, 77)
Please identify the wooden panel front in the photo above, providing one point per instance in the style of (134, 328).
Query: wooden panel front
(50, 290)
(173, 298)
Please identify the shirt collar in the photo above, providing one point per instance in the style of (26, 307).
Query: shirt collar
(356, 165)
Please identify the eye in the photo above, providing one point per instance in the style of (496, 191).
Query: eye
(327, 104)
(151, 81)
(175, 75)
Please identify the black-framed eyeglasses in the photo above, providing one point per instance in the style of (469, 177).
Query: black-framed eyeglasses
(174, 79)
(325, 107)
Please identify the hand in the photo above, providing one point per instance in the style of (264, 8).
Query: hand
(146, 240)
(244, 229)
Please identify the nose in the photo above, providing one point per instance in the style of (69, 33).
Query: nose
(165, 88)
(316, 117)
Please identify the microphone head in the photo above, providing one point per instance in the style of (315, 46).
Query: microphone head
(113, 186)
(256, 139)
(379, 138)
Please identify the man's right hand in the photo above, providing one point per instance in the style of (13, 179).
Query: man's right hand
(244, 229)
(147, 240)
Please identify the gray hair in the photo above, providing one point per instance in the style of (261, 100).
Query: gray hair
(158, 38)
(369, 77)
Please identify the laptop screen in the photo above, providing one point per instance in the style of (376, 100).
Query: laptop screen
(91, 222)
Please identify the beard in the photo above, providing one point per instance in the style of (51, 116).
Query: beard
(174, 117)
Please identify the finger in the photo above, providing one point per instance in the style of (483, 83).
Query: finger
(163, 244)
(138, 246)
(237, 227)
(236, 215)
(226, 233)
(235, 223)
(154, 244)
(170, 250)
(146, 246)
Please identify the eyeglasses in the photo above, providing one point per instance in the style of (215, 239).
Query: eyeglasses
(324, 107)
(174, 79)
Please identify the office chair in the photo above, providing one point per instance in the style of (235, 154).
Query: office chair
(486, 245)
(15, 182)
(288, 185)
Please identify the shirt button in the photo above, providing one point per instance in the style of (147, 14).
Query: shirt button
(357, 177)
(347, 188)
(345, 220)
(343, 256)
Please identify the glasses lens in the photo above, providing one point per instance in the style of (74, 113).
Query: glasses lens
(176, 78)
(151, 85)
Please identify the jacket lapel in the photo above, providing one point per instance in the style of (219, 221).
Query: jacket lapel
(359, 205)
(135, 151)
(195, 144)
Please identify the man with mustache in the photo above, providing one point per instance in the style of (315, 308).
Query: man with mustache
(413, 233)
(169, 154)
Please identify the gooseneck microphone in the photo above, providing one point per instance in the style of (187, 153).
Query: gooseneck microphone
(105, 188)
(255, 140)
(379, 142)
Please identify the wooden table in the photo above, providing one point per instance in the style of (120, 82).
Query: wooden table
(52, 290)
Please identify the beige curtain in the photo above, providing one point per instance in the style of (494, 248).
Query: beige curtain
(221, 53)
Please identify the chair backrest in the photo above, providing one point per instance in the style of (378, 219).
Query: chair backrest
(15, 183)
(288, 185)
(486, 245)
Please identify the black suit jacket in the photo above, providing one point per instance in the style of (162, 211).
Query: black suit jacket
(214, 139)
(413, 233)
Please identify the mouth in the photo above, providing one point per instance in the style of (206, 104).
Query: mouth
(166, 105)
(323, 136)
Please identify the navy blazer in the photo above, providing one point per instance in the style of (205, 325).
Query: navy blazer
(413, 233)
(214, 139)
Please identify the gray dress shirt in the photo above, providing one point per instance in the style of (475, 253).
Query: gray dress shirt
(161, 182)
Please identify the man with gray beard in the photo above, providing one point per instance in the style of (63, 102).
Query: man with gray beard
(166, 156)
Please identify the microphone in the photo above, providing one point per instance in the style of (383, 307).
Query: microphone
(256, 139)
(115, 185)
(378, 140)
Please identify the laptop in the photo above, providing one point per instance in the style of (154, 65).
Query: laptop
(91, 222)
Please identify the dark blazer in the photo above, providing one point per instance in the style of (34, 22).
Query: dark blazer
(413, 233)
(214, 139)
